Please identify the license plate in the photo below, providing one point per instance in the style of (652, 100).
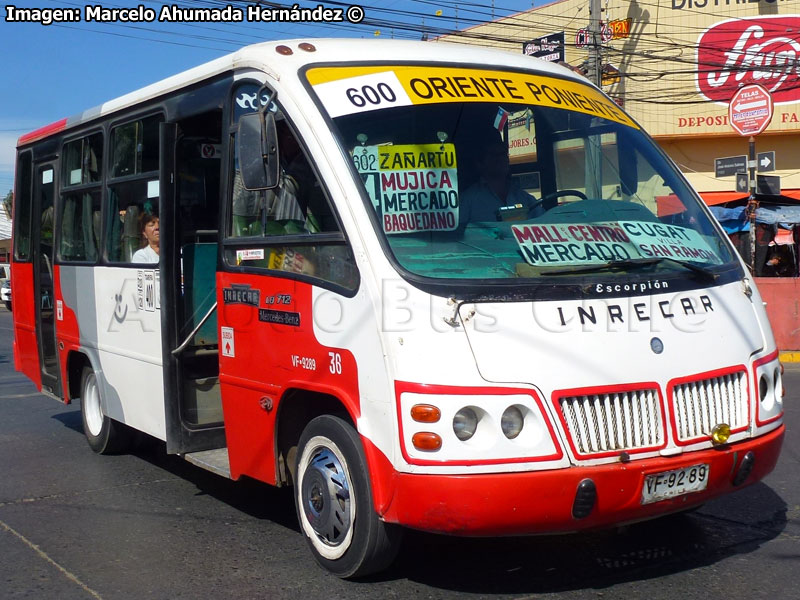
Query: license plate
(668, 484)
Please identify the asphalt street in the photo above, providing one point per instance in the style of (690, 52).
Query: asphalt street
(147, 525)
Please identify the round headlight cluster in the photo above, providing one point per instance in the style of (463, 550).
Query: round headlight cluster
(512, 422)
(770, 389)
(465, 423)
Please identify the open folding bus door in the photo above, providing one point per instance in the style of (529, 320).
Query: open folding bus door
(193, 405)
(43, 252)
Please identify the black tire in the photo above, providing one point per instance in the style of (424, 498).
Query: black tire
(333, 497)
(105, 436)
(8, 305)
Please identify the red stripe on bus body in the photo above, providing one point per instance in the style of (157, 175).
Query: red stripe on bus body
(42, 132)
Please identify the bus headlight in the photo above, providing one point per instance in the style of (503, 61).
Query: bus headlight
(777, 385)
(769, 392)
(512, 422)
(465, 422)
(763, 388)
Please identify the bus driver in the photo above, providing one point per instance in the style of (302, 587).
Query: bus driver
(495, 191)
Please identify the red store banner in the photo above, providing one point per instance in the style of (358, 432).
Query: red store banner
(762, 50)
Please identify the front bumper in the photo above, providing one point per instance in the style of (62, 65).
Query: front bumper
(542, 501)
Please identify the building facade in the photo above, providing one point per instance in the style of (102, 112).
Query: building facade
(675, 65)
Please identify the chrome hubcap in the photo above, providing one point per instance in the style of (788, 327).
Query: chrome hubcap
(326, 497)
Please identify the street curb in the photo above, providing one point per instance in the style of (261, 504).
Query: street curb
(789, 356)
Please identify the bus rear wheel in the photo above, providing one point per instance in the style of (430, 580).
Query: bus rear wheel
(105, 436)
(334, 505)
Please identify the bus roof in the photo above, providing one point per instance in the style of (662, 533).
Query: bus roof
(272, 58)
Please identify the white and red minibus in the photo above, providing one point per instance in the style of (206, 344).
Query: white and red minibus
(429, 286)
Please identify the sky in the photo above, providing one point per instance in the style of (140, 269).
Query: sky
(54, 71)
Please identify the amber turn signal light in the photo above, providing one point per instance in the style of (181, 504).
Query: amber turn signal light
(427, 441)
(425, 413)
(720, 433)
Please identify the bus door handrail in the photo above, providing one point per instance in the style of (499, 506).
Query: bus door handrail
(185, 343)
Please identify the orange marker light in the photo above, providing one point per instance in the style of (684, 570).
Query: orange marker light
(426, 441)
(425, 413)
(720, 434)
(285, 50)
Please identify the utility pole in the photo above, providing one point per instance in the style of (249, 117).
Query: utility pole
(752, 201)
(595, 40)
(594, 152)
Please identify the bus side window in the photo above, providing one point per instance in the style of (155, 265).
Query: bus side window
(80, 200)
(298, 206)
(23, 202)
(79, 234)
(133, 185)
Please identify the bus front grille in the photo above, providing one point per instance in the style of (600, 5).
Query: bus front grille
(613, 421)
(701, 405)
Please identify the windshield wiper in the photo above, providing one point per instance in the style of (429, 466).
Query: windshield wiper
(636, 262)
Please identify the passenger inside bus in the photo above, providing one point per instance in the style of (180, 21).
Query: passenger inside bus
(297, 205)
(149, 228)
(496, 196)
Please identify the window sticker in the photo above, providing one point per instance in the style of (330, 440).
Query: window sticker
(598, 243)
(152, 189)
(249, 254)
(148, 286)
(412, 187)
(74, 176)
(350, 90)
(47, 176)
(228, 342)
(210, 150)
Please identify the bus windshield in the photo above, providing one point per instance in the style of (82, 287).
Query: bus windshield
(533, 177)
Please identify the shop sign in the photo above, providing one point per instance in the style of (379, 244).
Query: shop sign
(750, 110)
(620, 28)
(617, 29)
(548, 47)
(717, 5)
(584, 38)
(610, 75)
(745, 51)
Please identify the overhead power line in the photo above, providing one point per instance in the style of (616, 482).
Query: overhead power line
(653, 55)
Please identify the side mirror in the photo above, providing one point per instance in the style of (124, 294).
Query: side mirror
(257, 141)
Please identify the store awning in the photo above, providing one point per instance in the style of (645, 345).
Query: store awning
(715, 198)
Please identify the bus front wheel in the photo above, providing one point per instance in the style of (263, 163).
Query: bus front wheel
(334, 502)
(105, 436)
